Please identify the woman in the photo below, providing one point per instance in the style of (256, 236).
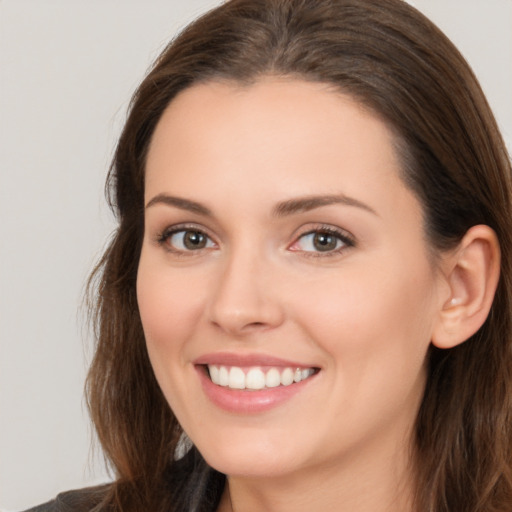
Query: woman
(311, 275)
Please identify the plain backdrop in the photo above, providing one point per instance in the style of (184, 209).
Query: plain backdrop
(67, 71)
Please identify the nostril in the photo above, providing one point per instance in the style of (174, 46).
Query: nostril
(255, 326)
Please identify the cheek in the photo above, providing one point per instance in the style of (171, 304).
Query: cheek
(169, 302)
(373, 322)
(170, 306)
(376, 338)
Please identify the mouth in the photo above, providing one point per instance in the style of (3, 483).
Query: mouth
(255, 378)
(252, 383)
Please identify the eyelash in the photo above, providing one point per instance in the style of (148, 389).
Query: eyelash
(164, 237)
(342, 236)
(346, 239)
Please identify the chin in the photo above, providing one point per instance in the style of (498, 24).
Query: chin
(254, 468)
(264, 459)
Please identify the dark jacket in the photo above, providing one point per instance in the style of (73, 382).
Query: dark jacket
(188, 485)
(83, 500)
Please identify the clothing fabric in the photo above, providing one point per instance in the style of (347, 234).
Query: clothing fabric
(82, 500)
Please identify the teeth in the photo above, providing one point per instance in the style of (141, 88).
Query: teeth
(214, 374)
(223, 376)
(236, 378)
(272, 379)
(255, 379)
(287, 377)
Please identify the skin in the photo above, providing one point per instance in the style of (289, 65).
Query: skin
(364, 314)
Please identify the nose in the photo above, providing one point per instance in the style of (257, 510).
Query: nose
(245, 299)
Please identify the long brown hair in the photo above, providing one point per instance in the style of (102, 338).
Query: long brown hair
(389, 57)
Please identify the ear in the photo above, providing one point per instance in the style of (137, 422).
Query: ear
(472, 272)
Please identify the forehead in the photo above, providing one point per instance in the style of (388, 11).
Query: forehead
(273, 118)
(269, 141)
(284, 107)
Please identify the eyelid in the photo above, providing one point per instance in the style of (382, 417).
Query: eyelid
(346, 238)
(164, 235)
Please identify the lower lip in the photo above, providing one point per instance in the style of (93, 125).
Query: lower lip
(248, 401)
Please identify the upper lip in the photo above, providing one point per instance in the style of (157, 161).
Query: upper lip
(233, 359)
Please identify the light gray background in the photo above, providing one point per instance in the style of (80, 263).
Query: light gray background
(67, 70)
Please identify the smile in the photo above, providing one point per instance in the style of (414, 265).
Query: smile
(257, 378)
(253, 383)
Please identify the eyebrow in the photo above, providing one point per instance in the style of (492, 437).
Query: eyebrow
(181, 203)
(304, 204)
(282, 209)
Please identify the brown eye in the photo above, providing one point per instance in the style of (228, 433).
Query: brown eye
(194, 240)
(189, 240)
(325, 242)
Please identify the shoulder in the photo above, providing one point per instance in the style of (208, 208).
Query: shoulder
(82, 500)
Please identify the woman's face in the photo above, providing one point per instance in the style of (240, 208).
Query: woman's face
(281, 246)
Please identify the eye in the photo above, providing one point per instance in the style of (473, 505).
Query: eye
(186, 240)
(322, 241)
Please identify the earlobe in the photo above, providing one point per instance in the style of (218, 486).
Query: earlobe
(472, 275)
